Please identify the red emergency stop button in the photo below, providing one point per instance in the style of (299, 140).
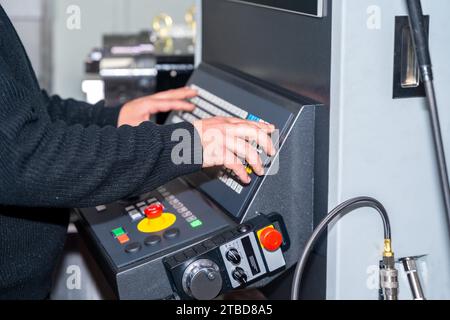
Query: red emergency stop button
(271, 239)
(154, 211)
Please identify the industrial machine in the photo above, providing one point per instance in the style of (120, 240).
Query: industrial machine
(206, 234)
(134, 65)
(340, 81)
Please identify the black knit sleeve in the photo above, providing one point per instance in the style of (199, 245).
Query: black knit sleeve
(50, 163)
(77, 112)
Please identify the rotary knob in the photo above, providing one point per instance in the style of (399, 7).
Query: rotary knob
(233, 256)
(202, 280)
(239, 275)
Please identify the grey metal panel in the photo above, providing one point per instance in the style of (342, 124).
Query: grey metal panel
(294, 198)
(287, 50)
(383, 148)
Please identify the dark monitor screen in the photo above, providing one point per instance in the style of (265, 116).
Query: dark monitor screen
(288, 52)
(309, 7)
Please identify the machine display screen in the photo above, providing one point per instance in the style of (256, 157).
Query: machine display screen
(309, 7)
(291, 53)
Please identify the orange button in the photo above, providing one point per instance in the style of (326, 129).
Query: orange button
(123, 239)
(271, 239)
(154, 211)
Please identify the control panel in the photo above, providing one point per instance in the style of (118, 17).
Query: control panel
(204, 234)
(135, 229)
(235, 258)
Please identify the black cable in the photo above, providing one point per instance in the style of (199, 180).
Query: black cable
(421, 45)
(336, 213)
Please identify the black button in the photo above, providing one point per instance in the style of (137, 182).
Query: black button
(189, 253)
(171, 262)
(218, 240)
(171, 233)
(180, 257)
(133, 247)
(244, 228)
(199, 249)
(228, 235)
(209, 244)
(152, 240)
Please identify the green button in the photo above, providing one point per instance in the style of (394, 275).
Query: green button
(196, 223)
(118, 232)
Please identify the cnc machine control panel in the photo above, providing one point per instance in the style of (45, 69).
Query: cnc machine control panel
(193, 236)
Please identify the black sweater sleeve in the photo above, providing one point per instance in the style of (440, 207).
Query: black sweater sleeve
(76, 112)
(50, 163)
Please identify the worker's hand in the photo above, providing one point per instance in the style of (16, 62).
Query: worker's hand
(226, 141)
(140, 110)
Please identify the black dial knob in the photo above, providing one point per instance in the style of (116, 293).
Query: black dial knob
(239, 275)
(233, 256)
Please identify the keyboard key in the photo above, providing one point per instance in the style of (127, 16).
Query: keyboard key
(100, 208)
(201, 114)
(189, 117)
(236, 111)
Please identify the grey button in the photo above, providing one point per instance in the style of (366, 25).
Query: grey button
(182, 210)
(142, 209)
(135, 215)
(100, 208)
(152, 200)
(133, 247)
(191, 219)
(141, 204)
(152, 240)
(130, 208)
(186, 214)
(178, 206)
(244, 228)
(171, 233)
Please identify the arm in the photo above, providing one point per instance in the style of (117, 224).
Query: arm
(45, 163)
(76, 112)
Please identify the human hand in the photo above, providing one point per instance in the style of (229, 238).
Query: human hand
(140, 110)
(226, 141)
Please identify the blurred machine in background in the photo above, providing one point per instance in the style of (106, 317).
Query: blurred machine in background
(128, 66)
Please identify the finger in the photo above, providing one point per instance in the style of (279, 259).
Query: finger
(261, 125)
(250, 133)
(244, 150)
(171, 105)
(233, 163)
(176, 94)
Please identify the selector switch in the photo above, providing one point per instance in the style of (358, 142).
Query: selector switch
(239, 275)
(233, 256)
